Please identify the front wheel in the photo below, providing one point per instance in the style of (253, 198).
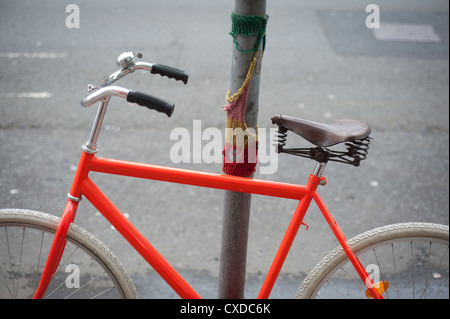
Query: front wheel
(88, 269)
(409, 260)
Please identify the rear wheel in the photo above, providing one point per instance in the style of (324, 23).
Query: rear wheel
(88, 269)
(409, 260)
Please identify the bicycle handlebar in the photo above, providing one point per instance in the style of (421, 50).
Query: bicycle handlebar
(170, 72)
(149, 101)
(128, 64)
(154, 68)
(152, 102)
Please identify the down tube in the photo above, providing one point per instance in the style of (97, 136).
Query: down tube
(137, 240)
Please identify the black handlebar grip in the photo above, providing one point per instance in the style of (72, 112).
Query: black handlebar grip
(170, 72)
(151, 102)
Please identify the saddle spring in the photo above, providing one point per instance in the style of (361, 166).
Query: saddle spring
(359, 148)
(356, 150)
(282, 135)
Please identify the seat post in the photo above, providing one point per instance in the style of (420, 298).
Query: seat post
(321, 156)
(319, 169)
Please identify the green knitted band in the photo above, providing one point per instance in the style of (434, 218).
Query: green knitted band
(248, 26)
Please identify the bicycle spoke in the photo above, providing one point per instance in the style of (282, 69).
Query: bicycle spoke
(25, 241)
(4, 276)
(381, 272)
(442, 288)
(13, 293)
(430, 278)
(412, 271)
(61, 264)
(395, 269)
(103, 292)
(5, 281)
(20, 261)
(86, 284)
(38, 263)
(357, 281)
(338, 290)
(75, 273)
(411, 256)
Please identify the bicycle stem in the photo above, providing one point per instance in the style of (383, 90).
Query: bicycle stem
(103, 95)
(91, 145)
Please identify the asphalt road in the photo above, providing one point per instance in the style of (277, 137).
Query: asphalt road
(321, 63)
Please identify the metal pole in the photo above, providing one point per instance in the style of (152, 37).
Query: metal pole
(237, 205)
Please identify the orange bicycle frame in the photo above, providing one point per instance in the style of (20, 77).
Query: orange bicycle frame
(83, 185)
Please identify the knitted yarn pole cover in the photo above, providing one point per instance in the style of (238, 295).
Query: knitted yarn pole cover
(241, 145)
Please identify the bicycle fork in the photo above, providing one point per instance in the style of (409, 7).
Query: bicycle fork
(68, 216)
(315, 179)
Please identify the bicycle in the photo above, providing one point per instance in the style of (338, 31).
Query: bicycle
(393, 261)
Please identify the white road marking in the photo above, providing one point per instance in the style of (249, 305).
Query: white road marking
(33, 55)
(30, 95)
(406, 32)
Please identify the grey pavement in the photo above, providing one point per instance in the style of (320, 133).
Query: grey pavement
(321, 63)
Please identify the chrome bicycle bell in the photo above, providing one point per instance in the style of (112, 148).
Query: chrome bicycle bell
(127, 59)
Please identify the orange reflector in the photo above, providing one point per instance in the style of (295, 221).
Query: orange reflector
(381, 287)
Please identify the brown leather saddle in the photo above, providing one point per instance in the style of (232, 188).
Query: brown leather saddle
(321, 134)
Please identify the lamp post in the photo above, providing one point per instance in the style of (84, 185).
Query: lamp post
(237, 205)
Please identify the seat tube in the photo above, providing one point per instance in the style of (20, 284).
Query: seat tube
(291, 232)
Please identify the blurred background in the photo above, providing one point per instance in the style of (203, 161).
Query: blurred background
(321, 63)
